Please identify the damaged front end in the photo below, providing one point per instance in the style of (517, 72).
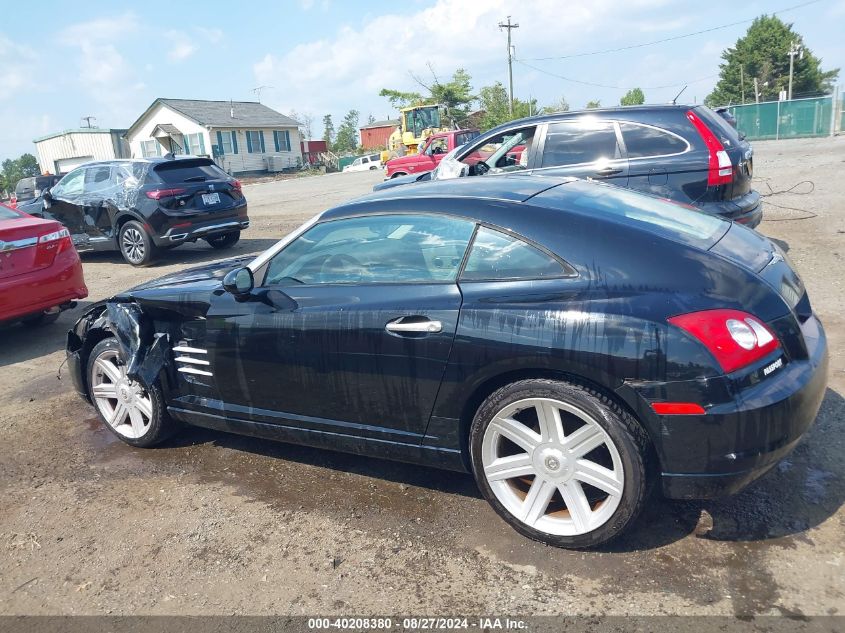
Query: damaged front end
(144, 349)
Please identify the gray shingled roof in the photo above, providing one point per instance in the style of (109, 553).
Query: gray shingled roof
(218, 113)
(387, 123)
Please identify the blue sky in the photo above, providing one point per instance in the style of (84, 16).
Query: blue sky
(60, 61)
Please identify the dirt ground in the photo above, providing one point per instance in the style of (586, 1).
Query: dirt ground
(217, 524)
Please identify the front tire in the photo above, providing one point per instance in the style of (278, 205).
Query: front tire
(561, 463)
(138, 416)
(227, 240)
(135, 244)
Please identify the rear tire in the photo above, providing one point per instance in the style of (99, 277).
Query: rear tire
(136, 415)
(561, 463)
(227, 240)
(135, 244)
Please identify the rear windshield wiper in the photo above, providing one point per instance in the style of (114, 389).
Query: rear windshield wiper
(195, 179)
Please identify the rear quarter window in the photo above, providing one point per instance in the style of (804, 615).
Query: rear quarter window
(642, 141)
(578, 142)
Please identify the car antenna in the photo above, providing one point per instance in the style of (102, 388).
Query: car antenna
(678, 95)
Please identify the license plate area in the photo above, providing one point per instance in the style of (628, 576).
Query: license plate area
(209, 199)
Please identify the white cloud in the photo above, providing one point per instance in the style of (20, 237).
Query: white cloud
(213, 35)
(347, 69)
(181, 51)
(17, 67)
(108, 82)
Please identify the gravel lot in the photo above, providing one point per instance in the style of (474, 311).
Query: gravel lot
(213, 523)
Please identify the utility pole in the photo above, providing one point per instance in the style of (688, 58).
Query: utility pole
(742, 83)
(756, 92)
(509, 26)
(794, 50)
(88, 120)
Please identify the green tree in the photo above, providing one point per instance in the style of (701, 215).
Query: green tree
(328, 131)
(762, 53)
(347, 133)
(399, 99)
(14, 169)
(634, 96)
(562, 105)
(455, 94)
(493, 100)
(595, 103)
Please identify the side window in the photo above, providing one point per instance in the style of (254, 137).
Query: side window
(502, 153)
(70, 185)
(97, 178)
(375, 249)
(641, 141)
(498, 256)
(577, 142)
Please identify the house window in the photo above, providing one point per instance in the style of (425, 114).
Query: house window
(225, 142)
(150, 148)
(255, 142)
(281, 139)
(194, 144)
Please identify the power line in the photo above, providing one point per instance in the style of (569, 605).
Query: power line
(598, 85)
(667, 39)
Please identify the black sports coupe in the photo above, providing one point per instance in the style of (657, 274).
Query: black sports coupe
(566, 342)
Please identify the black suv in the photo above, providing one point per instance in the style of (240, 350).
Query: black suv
(142, 205)
(688, 154)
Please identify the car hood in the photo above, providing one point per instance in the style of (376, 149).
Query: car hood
(398, 181)
(208, 276)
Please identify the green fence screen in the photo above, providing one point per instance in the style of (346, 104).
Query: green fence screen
(785, 119)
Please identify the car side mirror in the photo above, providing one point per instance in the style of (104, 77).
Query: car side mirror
(47, 198)
(239, 282)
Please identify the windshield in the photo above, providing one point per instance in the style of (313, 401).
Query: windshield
(422, 119)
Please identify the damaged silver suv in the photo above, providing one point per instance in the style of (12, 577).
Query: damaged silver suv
(141, 206)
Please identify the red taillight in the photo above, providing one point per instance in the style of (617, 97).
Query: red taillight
(236, 184)
(52, 244)
(677, 408)
(158, 194)
(720, 170)
(735, 338)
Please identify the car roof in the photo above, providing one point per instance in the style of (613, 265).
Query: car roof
(601, 112)
(516, 188)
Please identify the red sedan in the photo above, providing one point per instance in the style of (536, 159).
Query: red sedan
(40, 271)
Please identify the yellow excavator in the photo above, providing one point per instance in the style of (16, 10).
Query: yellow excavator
(416, 123)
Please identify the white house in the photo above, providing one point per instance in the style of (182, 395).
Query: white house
(61, 152)
(240, 135)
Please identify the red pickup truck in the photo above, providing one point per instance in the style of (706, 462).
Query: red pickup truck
(431, 153)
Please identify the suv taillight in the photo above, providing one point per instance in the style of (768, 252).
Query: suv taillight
(735, 338)
(236, 184)
(720, 170)
(158, 194)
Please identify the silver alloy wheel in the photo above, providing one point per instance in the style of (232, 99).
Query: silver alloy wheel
(132, 244)
(124, 403)
(525, 472)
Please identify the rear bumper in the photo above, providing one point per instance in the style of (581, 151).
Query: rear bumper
(747, 209)
(734, 443)
(31, 293)
(176, 230)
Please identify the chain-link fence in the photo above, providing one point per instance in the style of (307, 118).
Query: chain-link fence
(820, 116)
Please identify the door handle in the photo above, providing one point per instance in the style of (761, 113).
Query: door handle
(427, 326)
(608, 171)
